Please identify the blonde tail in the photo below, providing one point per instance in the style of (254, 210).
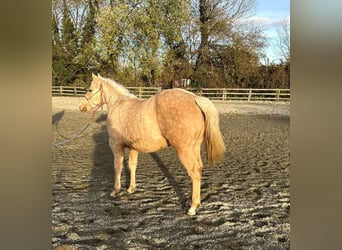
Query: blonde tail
(213, 136)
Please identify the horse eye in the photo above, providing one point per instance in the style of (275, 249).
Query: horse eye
(90, 90)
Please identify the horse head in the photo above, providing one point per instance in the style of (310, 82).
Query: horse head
(93, 99)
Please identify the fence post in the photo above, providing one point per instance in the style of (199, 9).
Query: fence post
(224, 95)
(249, 95)
(140, 92)
(278, 95)
(75, 91)
(60, 90)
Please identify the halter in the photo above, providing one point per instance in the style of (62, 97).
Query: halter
(100, 105)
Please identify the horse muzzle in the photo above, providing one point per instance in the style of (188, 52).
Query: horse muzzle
(83, 108)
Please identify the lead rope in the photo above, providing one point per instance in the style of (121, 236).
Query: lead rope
(78, 134)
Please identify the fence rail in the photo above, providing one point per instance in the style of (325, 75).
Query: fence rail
(224, 94)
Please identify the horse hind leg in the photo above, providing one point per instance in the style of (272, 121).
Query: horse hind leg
(191, 160)
(132, 165)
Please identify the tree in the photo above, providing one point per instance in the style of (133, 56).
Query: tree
(64, 46)
(153, 43)
(145, 36)
(85, 62)
(176, 63)
(220, 24)
(282, 44)
(73, 47)
(56, 50)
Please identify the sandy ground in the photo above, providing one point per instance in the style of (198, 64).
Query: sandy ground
(245, 198)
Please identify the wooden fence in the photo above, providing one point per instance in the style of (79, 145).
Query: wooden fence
(224, 94)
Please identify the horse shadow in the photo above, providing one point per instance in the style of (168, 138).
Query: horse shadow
(179, 191)
(57, 117)
(102, 172)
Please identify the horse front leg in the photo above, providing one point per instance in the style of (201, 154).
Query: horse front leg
(118, 163)
(132, 165)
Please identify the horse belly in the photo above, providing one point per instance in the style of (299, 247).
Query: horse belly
(149, 146)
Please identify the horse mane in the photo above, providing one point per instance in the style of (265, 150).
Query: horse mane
(122, 90)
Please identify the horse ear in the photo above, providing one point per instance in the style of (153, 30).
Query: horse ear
(93, 76)
(98, 75)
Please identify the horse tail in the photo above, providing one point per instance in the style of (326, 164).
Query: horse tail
(213, 137)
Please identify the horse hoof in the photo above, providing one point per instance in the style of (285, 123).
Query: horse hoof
(192, 212)
(114, 194)
(131, 190)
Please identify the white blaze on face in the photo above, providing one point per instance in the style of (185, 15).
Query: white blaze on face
(83, 107)
(80, 107)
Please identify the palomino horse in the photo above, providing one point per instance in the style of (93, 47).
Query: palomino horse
(172, 117)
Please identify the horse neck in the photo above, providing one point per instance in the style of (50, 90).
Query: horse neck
(111, 95)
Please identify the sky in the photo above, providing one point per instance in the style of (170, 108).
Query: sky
(270, 13)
